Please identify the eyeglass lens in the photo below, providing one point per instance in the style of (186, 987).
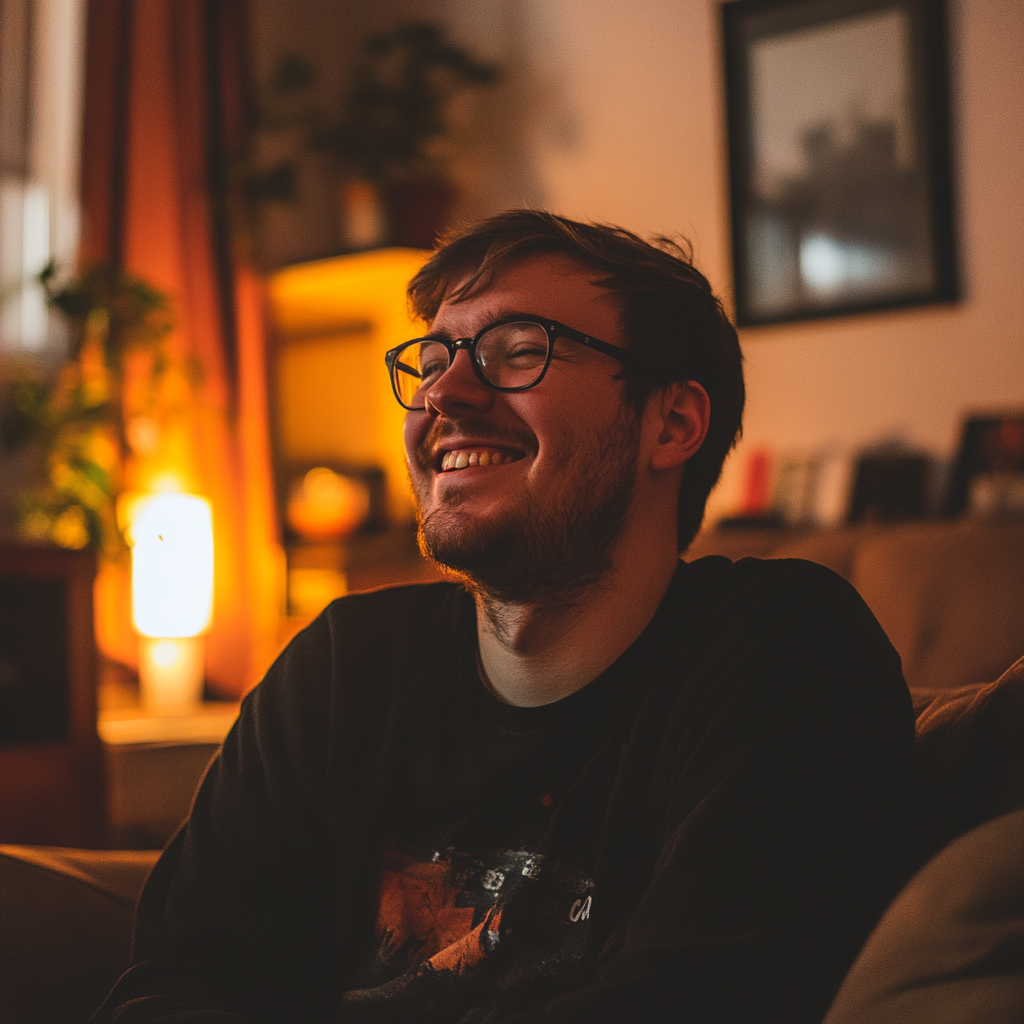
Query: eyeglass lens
(509, 356)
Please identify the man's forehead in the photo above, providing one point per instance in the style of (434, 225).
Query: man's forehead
(548, 284)
(534, 266)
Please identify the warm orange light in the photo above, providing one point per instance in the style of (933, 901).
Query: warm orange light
(172, 596)
(326, 504)
(172, 566)
(171, 672)
(340, 316)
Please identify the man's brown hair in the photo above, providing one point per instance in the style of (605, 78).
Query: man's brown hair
(673, 322)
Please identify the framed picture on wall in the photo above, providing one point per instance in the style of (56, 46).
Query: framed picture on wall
(838, 157)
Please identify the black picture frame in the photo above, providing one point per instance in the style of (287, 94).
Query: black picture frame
(991, 446)
(839, 157)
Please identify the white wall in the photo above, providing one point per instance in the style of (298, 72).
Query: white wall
(613, 111)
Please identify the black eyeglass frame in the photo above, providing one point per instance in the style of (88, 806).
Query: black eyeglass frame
(553, 328)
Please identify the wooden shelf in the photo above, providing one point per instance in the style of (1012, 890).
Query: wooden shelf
(208, 723)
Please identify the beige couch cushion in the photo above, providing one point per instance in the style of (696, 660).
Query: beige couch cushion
(950, 596)
(949, 949)
(835, 549)
(736, 543)
(969, 757)
(66, 928)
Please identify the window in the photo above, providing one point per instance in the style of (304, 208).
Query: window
(41, 79)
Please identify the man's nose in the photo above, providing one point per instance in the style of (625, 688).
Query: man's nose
(459, 390)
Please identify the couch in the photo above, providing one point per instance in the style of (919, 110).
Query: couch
(950, 947)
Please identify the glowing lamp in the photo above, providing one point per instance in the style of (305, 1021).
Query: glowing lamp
(326, 505)
(172, 596)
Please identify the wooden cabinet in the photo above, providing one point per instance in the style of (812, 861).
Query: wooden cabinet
(51, 765)
(331, 399)
(332, 406)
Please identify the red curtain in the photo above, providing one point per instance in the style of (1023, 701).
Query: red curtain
(165, 104)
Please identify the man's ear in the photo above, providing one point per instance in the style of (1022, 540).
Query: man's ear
(682, 414)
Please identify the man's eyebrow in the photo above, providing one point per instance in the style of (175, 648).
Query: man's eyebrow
(490, 316)
(528, 313)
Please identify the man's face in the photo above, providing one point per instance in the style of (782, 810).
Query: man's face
(525, 492)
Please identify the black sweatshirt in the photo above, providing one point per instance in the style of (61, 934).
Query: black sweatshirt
(706, 832)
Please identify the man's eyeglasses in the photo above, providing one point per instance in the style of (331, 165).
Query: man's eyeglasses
(512, 354)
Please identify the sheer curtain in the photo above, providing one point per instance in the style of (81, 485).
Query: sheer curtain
(164, 114)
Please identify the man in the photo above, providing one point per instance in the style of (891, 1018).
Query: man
(586, 781)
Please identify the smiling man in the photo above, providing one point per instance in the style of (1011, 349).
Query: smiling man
(585, 780)
(535, 479)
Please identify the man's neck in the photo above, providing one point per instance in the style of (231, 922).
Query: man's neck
(533, 654)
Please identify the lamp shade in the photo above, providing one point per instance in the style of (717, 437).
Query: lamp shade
(172, 566)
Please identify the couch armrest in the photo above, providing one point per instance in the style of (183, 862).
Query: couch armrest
(950, 597)
(67, 928)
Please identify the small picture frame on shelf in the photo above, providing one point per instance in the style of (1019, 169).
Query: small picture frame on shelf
(987, 480)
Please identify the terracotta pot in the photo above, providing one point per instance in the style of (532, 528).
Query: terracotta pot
(363, 217)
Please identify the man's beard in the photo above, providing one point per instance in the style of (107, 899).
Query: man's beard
(544, 548)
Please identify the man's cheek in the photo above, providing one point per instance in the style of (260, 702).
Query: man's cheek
(414, 435)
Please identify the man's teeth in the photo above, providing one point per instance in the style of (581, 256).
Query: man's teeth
(474, 457)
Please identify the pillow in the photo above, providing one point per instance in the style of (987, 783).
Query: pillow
(950, 949)
(969, 756)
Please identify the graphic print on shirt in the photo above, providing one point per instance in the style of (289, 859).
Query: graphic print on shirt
(442, 915)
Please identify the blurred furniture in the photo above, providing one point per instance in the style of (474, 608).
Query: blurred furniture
(361, 562)
(67, 931)
(890, 487)
(332, 408)
(950, 948)
(947, 950)
(333, 321)
(153, 765)
(951, 596)
(988, 475)
(51, 765)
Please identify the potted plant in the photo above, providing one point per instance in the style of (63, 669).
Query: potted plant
(392, 140)
(107, 402)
